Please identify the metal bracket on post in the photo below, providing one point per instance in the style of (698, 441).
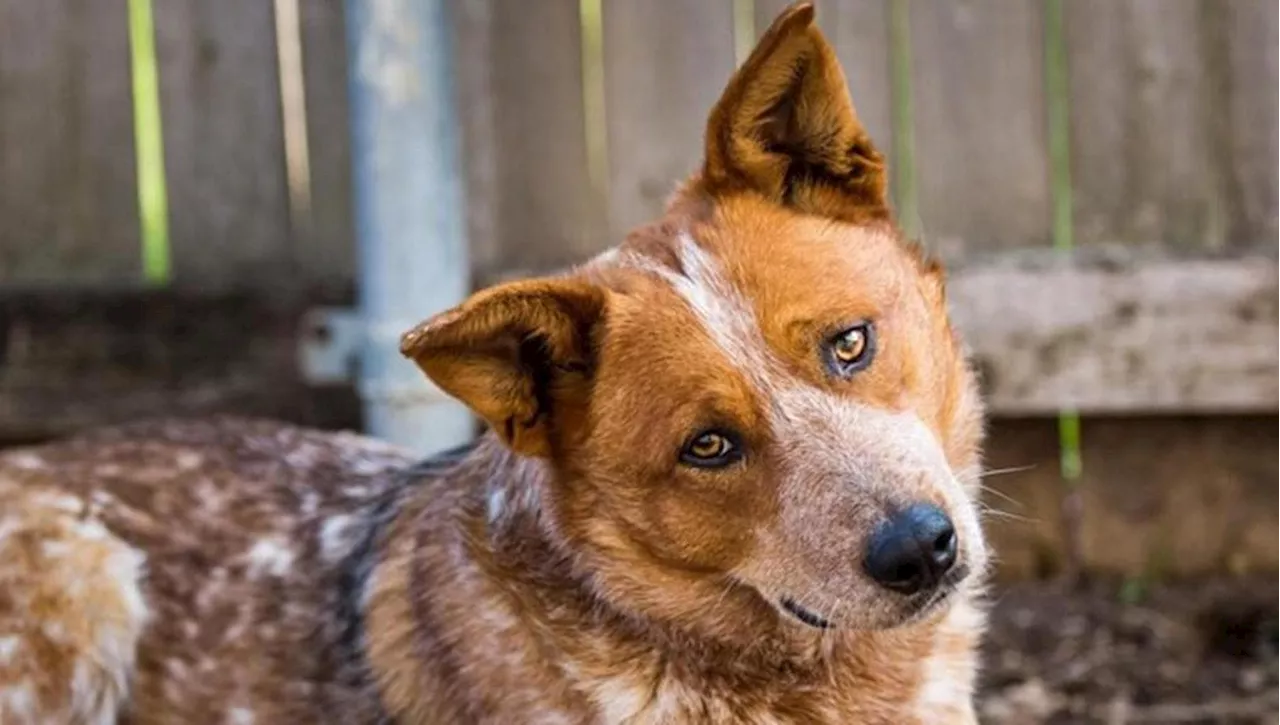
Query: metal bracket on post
(331, 343)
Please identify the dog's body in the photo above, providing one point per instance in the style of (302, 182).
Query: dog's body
(258, 605)
(730, 478)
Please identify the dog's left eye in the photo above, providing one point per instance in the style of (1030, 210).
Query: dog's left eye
(851, 350)
(710, 449)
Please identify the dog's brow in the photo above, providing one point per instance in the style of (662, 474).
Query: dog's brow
(723, 311)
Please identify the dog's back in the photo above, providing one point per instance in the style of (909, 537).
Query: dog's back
(210, 571)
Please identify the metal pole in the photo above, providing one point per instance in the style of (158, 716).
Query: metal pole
(409, 218)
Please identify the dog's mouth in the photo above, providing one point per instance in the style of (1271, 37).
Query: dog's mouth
(917, 608)
(790, 606)
(923, 606)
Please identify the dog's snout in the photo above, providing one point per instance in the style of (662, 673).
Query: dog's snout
(911, 551)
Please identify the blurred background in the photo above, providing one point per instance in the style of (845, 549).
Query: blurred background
(235, 206)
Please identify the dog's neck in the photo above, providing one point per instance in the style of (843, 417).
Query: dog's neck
(513, 534)
(476, 566)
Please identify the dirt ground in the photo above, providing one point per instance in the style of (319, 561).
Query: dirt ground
(1107, 652)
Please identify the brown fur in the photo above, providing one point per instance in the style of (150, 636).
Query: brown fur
(569, 568)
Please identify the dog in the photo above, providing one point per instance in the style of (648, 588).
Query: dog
(730, 476)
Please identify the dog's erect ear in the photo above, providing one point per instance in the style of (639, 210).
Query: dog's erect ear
(785, 127)
(514, 354)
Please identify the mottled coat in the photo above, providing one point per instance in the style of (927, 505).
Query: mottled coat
(232, 551)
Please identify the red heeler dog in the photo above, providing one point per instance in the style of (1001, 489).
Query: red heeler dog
(731, 478)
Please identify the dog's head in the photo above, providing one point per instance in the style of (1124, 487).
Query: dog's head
(755, 408)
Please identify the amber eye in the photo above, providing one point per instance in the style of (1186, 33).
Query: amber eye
(852, 349)
(710, 450)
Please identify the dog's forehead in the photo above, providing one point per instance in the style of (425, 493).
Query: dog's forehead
(781, 260)
(748, 278)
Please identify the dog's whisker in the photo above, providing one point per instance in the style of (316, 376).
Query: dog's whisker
(1001, 495)
(1009, 516)
(992, 472)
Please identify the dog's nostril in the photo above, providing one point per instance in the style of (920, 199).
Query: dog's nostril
(907, 571)
(912, 550)
(944, 548)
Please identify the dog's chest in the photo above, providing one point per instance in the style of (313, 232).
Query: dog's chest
(875, 686)
(672, 702)
(627, 699)
(635, 700)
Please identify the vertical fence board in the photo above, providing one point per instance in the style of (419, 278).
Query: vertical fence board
(534, 185)
(980, 124)
(68, 183)
(1251, 41)
(326, 257)
(666, 62)
(472, 59)
(1147, 151)
(224, 154)
(859, 31)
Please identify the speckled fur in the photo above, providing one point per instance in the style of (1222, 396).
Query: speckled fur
(475, 618)
(240, 548)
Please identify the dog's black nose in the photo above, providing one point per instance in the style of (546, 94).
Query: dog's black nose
(910, 552)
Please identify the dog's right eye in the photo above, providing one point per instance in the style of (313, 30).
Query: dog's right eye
(851, 350)
(710, 449)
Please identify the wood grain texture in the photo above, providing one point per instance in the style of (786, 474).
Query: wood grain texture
(68, 181)
(532, 184)
(666, 63)
(1118, 334)
(326, 256)
(981, 150)
(473, 26)
(224, 149)
(1251, 48)
(1150, 132)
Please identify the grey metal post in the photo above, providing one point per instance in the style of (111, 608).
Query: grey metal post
(410, 222)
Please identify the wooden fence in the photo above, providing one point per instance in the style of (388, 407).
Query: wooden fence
(1100, 173)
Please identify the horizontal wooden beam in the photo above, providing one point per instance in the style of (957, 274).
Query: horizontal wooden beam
(75, 360)
(1110, 334)
(1103, 336)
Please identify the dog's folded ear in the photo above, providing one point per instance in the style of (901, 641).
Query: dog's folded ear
(517, 354)
(785, 128)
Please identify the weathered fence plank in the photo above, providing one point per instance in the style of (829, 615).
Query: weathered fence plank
(533, 186)
(326, 256)
(1251, 48)
(981, 151)
(666, 62)
(473, 67)
(1148, 144)
(224, 152)
(68, 187)
(1112, 334)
